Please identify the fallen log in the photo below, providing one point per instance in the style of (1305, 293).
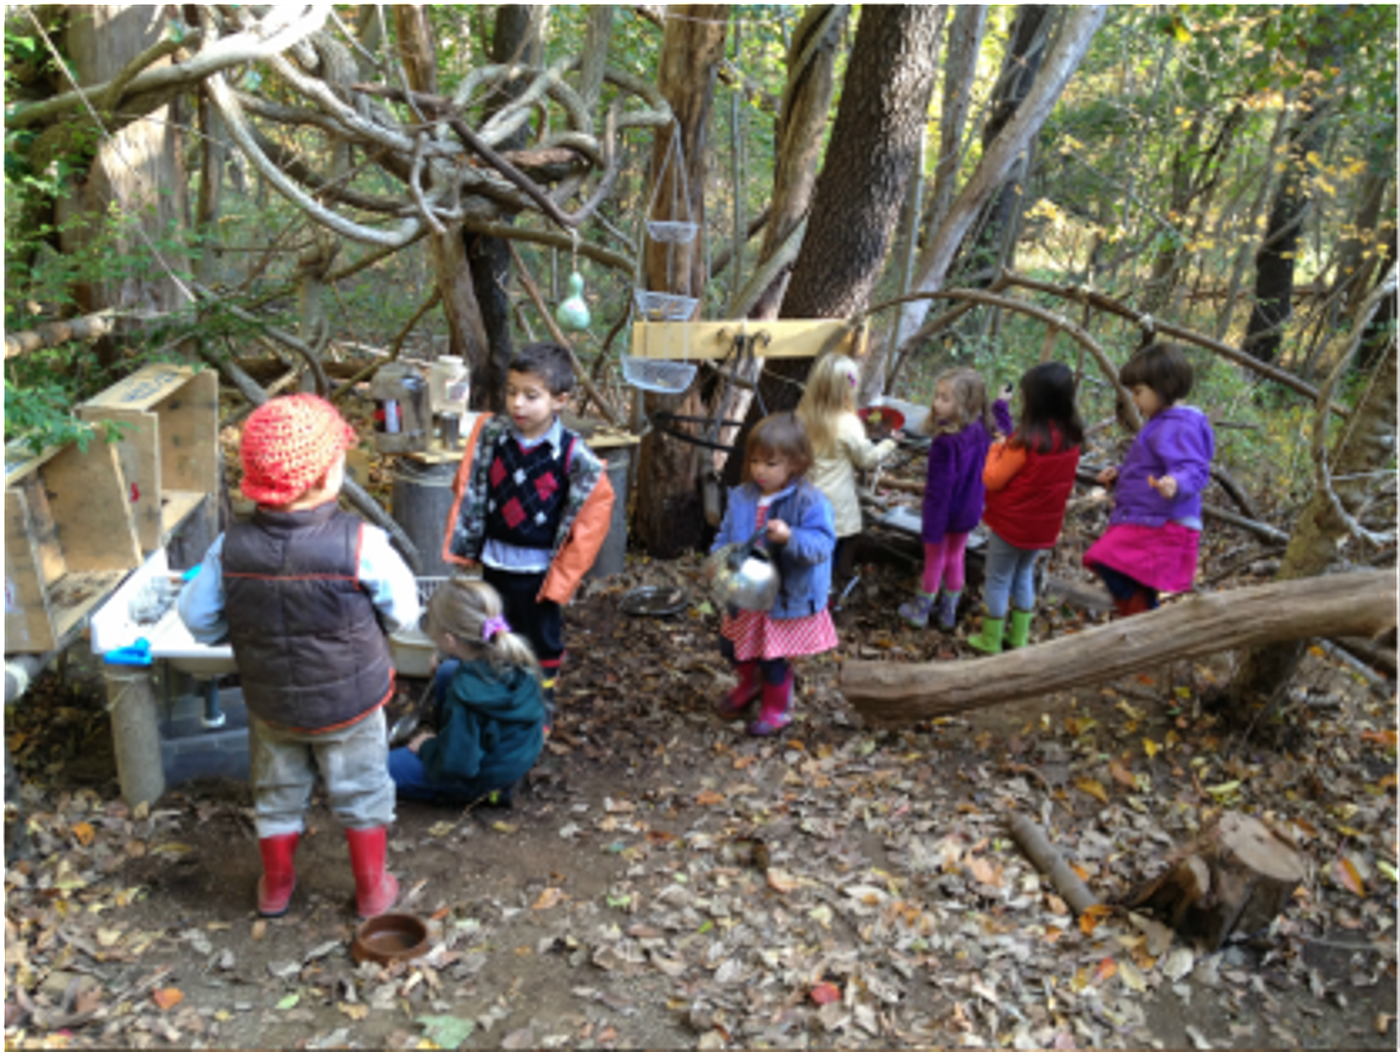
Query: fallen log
(1350, 604)
(1237, 876)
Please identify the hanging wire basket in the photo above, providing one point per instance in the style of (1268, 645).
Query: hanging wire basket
(663, 306)
(672, 231)
(658, 375)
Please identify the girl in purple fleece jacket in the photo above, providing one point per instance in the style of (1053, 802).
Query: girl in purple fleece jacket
(1154, 533)
(962, 426)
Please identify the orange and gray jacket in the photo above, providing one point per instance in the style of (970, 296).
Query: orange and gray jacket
(306, 637)
(583, 520)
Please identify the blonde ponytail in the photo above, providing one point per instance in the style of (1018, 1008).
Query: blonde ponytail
(469, 610)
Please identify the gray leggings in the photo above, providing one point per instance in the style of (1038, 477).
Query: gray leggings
(353, 762)
(1010, 577)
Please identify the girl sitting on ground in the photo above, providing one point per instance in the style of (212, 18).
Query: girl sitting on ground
(489, 712)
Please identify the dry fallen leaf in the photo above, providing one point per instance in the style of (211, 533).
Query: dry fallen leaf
(1106, 970)
(825, 993)
(1349, 878)
(708, 798)
(781, 881)
(1093, 787)
(83, 833)
(167, 997)
(550, 897)
(1122, 775)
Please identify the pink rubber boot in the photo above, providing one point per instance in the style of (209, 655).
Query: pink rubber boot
(776, 711)
(748, 690)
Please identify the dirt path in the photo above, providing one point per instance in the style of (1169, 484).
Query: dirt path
(665, 881)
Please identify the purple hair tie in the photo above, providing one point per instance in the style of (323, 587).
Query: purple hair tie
(491, 627)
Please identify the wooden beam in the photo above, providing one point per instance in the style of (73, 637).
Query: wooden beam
(711, 340)
(1350, 604)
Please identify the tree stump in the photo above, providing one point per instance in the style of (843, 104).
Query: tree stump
(1237, 876)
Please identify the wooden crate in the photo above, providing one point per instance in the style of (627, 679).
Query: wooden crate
(69, 541)
(169, 448)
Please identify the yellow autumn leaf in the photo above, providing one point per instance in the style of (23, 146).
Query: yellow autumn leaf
(83, 833)
(1150, 747)
(1349, 878)
(1093, 787)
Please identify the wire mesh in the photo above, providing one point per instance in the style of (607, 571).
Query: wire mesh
(427, 586)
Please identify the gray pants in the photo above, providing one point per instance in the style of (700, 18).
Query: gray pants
(1010, 577)
(353, 762)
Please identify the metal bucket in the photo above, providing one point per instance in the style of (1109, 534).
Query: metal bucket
(421, 502)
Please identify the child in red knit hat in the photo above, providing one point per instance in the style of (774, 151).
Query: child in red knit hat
(306, 594)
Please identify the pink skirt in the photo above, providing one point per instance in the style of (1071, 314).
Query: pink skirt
(1161, 557)
(758, 637)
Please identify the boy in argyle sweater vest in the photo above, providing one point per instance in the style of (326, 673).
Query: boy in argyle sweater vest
(533, 505)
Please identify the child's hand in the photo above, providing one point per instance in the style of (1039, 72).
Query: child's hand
(416, 742)
(1107, 477)
(1166, 485)
(779, 532)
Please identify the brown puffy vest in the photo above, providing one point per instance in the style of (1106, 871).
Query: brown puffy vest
(310, 651)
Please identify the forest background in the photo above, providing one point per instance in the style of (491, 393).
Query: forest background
(296, 195)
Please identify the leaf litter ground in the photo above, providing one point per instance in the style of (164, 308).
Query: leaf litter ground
(666, 881)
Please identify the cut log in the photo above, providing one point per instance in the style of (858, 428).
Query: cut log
(1237, 877)
(1351, 604)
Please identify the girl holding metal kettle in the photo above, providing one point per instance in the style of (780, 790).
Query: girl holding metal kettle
(771, 571)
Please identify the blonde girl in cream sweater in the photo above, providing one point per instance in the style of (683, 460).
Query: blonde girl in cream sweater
(828, 411)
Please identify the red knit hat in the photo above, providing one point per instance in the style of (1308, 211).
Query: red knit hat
(288, 443)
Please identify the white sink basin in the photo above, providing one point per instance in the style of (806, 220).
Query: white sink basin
(172, 642)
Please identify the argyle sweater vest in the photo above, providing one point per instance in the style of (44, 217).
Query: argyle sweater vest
(528, 488)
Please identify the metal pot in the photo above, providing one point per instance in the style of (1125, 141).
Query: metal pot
(744, 576)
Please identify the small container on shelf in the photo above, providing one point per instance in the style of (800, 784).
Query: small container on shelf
(402, 410)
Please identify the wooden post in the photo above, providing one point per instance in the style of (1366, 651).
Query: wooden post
(131, 699)
(1360, 604)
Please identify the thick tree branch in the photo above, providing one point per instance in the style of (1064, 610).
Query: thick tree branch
(283, 27)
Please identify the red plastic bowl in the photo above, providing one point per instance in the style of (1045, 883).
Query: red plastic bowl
(886, 420)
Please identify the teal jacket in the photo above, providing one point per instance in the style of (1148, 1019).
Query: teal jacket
(490, 725)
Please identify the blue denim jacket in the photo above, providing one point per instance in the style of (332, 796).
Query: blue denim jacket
(804, 562)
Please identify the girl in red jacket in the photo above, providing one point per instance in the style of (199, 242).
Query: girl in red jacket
(1028, 477)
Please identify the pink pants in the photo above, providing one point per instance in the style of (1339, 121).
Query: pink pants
(943, 563)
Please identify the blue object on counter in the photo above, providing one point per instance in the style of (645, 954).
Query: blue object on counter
(139, 653)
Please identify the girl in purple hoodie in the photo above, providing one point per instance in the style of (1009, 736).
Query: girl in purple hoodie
(962, 425)
(1154, 533)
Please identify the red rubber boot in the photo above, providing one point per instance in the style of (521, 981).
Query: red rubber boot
(776, 711)
(376, 890)
(279, 873)
(747, 691)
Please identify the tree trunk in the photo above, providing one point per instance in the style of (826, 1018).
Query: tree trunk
(1024, 53)
(137, 174)
(670, 518)
(1361, 603)
(806, 104)
(1367, 445)
(1070, 46)
(1274, 263)
(959, 75)
(875, 146)
(1237, 876)
(516, 38)
(466, 330)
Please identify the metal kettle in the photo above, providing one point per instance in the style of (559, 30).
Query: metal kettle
(744, 575)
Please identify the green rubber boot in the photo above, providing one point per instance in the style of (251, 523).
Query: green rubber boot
(1020, 633)
(989, 639)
